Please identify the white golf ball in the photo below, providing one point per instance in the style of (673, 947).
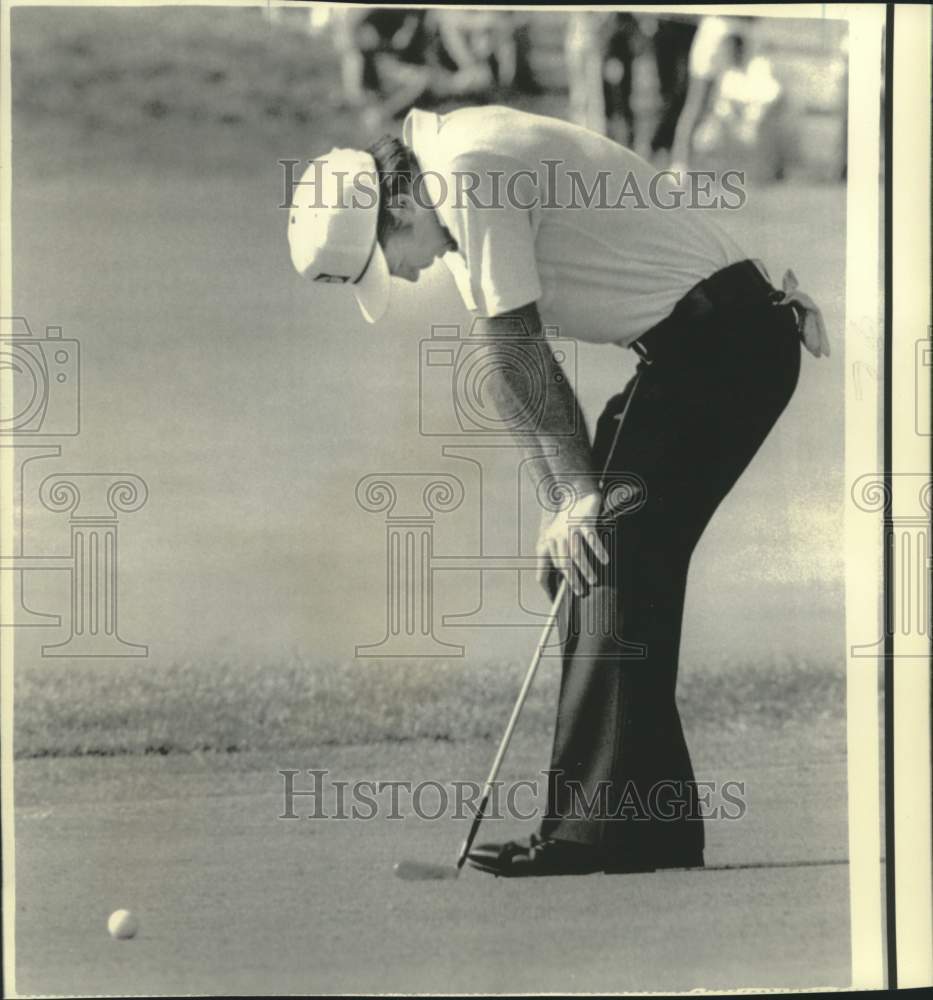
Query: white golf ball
(122, 925)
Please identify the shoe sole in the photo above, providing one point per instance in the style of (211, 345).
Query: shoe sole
(621, 870)
(500, 873)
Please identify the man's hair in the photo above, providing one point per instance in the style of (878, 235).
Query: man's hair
(396, 165)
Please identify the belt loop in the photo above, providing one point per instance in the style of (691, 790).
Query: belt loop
(641, 351)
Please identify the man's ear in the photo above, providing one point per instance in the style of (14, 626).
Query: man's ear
(402, 208)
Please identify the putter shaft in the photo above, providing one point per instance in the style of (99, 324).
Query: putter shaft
(513, 720)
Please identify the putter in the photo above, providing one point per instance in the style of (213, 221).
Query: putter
(419, 871)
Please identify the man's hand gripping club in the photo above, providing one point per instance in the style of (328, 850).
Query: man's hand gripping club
(568, 540)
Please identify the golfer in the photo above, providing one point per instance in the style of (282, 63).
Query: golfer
(542, 222)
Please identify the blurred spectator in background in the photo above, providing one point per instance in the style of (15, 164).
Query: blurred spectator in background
(624, 42)
(736, 114)
(382, 54)
(746, 121)
(390, 58)
(707, 61)
(525, 80)
(600, 48)
(475, 47)
(584, 48)
(682, 89)
(672, 37)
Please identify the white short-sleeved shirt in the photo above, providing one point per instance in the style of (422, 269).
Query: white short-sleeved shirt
(606, 271)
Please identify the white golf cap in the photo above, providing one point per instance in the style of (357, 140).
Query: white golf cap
(332, 228)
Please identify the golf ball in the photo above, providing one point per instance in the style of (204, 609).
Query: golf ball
(122, 925)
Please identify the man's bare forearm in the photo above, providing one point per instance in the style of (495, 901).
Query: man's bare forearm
(557, 428)
(562, 430)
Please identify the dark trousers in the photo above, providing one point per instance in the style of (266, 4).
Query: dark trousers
(617, 97)
(696, 419)
(672, 43)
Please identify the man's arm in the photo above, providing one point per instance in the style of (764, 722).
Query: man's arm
(560, 432)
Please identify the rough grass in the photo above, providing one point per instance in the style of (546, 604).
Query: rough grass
(79, 709)
(115, 68)
(192, 88)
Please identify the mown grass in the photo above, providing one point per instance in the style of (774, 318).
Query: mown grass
(98, 708)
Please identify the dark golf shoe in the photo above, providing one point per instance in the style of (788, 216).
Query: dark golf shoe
(540, 856)
(537, 857)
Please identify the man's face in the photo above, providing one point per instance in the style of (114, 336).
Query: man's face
(417, 243)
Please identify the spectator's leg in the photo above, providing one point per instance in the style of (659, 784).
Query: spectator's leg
(617, 79)
(699, 99)
(524, 77)
(672, 43)
(585, 79)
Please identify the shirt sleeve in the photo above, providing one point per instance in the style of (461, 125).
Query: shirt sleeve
(494, 234)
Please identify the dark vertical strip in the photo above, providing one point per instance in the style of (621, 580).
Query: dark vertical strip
(888, 528)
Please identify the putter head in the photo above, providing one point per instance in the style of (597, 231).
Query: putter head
(419, 871)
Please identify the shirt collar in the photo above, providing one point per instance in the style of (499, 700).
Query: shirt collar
(420, 134)
(419, 131)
